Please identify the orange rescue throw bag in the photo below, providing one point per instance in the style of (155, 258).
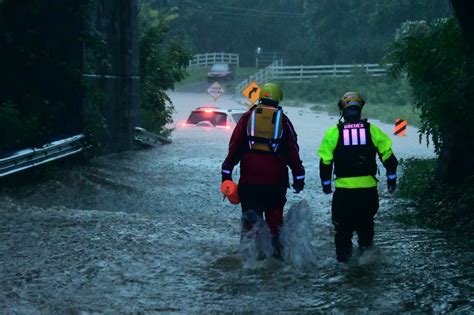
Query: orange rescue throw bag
(229, 189)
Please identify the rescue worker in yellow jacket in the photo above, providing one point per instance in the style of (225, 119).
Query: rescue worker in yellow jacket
(351, 148)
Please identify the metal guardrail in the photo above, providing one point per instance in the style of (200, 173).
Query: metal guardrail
(28, 158)
(208, 59)
(144, 137)
(56, 150)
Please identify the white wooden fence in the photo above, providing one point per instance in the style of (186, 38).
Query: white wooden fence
(277, 72)
(208, 59)
(261, 77)
(265, 59)
(300, 73)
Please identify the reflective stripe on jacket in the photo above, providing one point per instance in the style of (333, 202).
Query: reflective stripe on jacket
(264, 168)
(381, 141)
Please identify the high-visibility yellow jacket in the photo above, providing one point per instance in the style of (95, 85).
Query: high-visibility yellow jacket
(382, 143)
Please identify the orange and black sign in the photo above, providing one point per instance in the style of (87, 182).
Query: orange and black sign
(400, 128)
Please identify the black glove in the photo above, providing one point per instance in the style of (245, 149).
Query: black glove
(298, 184)
(327, 187)
(392, 183)
(226, 176)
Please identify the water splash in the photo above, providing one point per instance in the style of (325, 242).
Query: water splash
(297, 236)
(297, 239)
(256, 244)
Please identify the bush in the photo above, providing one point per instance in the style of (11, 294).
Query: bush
(418, 177)
(163, 62)
(437, 206)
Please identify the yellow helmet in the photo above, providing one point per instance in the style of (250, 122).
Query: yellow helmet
(351, 99)
(271, 92)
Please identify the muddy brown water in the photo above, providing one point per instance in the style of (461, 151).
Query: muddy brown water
(147, 231)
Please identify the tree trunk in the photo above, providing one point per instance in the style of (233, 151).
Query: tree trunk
(457, 159)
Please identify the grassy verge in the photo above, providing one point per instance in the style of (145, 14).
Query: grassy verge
(387, 99)
(438, 206)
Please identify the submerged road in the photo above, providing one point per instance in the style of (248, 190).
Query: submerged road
(147, 231)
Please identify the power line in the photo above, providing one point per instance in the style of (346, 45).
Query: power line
(241, 11)
(232, 14)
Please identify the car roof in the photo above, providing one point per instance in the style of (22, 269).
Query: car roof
(220, 110)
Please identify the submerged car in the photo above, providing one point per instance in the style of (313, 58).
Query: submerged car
(211, 116)
(220, 72)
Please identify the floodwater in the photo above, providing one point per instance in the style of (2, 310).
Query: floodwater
(148, 231)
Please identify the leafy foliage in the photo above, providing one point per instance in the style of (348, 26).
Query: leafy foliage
(418, 177)
(437, 205)
(433, 55)
(439, 68)
(163, 62)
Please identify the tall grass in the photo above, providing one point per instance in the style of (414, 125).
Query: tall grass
(386, 99)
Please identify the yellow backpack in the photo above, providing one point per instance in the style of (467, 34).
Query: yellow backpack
(265, 128)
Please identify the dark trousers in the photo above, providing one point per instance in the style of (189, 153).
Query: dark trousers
(353, 210)
(260, 200)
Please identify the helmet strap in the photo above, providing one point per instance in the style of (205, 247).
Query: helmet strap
(341, 114)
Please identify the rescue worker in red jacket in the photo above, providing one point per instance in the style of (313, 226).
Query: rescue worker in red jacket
(265, 143)
(351, 146)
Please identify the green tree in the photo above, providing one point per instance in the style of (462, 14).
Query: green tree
(436, 61)
(163, 62)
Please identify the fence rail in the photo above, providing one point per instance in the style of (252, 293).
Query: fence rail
(262, 76)
(299, 73)
(278, 72)
(265, 59)
(208, 59)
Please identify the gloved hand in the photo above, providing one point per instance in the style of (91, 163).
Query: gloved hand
(298, 184)
(226, 176)
(327, 187)
(392, 183)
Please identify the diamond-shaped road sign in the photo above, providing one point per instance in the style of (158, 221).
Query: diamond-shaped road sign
(215, 90)
(252, 92)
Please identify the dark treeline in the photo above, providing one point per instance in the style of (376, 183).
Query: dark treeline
(40, 59)
(306, 32)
